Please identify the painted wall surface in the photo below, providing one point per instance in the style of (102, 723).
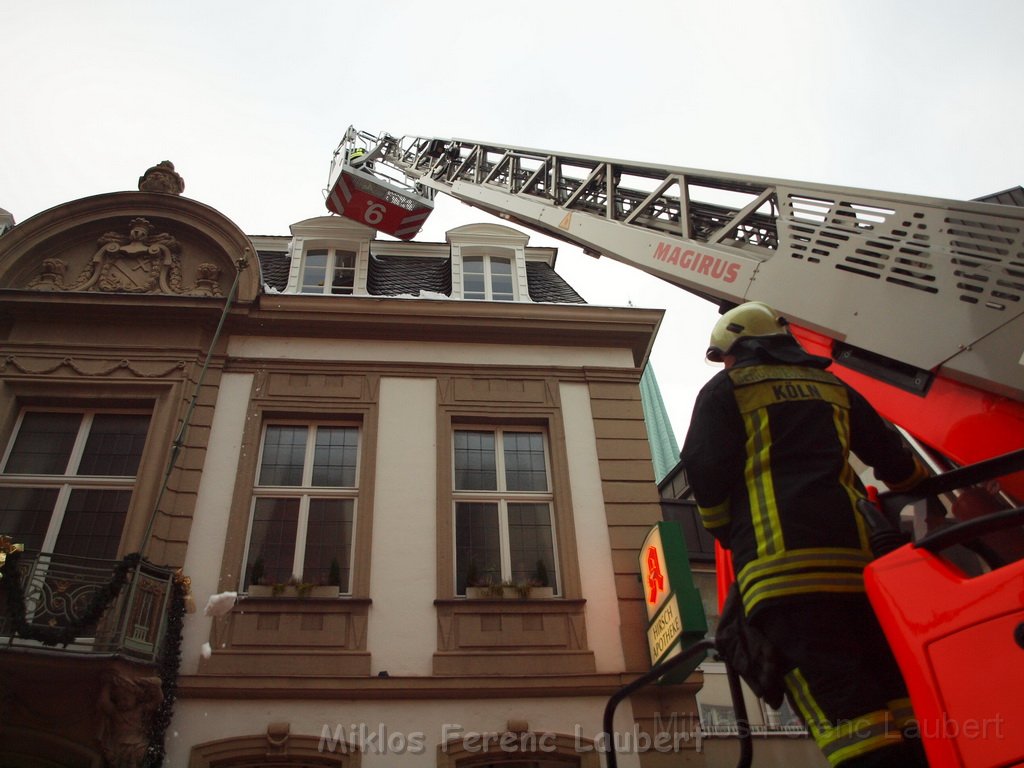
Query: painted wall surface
(597, 574)
(213, 502)
(402, 626)
(398, 733)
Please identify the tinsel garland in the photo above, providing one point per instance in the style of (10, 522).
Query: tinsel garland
(101, 600)
(170, 661)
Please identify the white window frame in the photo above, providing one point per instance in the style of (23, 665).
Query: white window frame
(306, 492)
(487, 261)
(70, 480)
(332, 252)
(503, 497)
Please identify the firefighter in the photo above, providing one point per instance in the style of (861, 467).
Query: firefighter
(767, 456)
(357, 159)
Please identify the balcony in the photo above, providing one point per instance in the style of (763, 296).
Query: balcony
(70, 606)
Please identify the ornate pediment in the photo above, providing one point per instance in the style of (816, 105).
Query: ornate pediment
(142, 261)
(141, 244)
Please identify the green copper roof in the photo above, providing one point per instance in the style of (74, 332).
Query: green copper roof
(664, 448)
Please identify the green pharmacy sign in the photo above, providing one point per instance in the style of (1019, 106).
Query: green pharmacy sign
(675, 613)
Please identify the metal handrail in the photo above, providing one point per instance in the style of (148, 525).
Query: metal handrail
(659, 671)
(1007, 463)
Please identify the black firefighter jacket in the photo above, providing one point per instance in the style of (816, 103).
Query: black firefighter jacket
(767, 458)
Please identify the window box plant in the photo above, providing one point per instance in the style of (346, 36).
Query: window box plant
(509, 591)
(535, 588)
(293, 588)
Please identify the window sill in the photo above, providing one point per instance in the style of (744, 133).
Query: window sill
(262, 590)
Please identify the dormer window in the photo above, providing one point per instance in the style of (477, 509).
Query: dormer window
(328, 271)
(488, 263)
(488, 278)
(329, 256)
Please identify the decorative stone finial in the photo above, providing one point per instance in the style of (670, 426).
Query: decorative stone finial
(162, 178)
(6, 221)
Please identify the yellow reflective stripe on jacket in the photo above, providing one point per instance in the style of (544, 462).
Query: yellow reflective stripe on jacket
(803, 571)
(847, 477)
(845, 740)
(716, 516)
(764, 510)
(859, 736)
(902, 712)
(800, 584)
(805, 703)
(827, 558)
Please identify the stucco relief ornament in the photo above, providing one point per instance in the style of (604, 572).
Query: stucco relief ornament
(50, 277)
(207, 280)
(141, 262)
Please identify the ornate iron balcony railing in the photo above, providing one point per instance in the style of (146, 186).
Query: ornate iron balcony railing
(84, 605)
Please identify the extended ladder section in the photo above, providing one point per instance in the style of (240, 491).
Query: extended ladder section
(921, 285)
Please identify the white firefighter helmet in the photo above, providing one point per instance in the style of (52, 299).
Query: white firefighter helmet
(748, 320)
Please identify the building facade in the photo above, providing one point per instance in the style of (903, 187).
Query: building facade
(404, 485)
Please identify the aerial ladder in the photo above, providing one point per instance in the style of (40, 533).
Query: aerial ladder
(919, 301)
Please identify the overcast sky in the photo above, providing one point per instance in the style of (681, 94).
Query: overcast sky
(249, 100)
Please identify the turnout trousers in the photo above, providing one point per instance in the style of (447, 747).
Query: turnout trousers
(842, 679)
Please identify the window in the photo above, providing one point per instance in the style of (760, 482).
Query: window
(67, 480)
(717, 718)
(328, 270)
(503, 509)
(700, 545)
(304, 505)
(782, 718)
(487, 277)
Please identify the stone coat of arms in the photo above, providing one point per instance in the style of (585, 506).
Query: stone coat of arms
(143, 261)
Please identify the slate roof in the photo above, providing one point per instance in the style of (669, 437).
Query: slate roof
(547, 285)
(274, 267)
(398, 275)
